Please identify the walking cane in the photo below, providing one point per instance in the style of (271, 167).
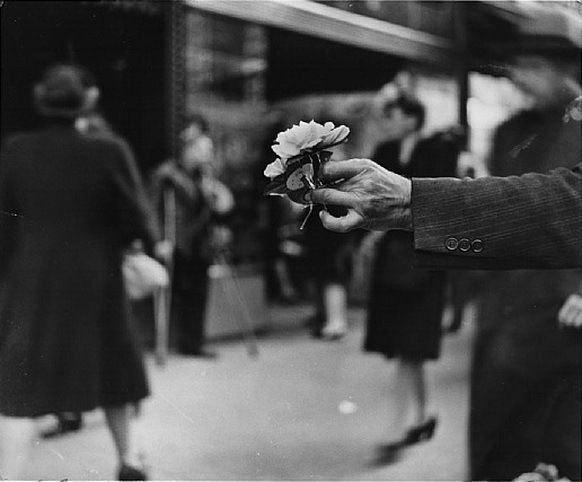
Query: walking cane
(163, 298)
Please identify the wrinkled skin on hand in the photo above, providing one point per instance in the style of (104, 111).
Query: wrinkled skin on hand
(376, 199)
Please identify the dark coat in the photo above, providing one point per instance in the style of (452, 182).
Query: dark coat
(405, 304)
(69, 204)
(522, 358)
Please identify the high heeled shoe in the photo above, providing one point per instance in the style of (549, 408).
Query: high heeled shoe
(388, 453)
(421, 432)
(128, 472)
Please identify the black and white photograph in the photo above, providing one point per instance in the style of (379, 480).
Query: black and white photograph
(291, 240)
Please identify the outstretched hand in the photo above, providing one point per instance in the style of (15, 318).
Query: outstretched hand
(375, 198)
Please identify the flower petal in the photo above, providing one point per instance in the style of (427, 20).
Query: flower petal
(274, 169)
(335, 136)
(304, 136)
(285, 150)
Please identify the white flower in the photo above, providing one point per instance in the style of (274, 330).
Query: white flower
(300, 139)
(274, 169)
(305, 136)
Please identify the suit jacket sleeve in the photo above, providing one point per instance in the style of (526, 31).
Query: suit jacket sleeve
(530, 221)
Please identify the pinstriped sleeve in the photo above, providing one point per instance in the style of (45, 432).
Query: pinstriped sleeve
(530, 221)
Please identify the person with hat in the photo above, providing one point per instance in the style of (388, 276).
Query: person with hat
(190, 199)
(525, 383)
(70, 204)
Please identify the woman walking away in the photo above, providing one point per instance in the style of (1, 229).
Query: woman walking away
(69, 205)
(406, 304)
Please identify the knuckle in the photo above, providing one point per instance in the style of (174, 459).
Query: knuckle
(368, 163)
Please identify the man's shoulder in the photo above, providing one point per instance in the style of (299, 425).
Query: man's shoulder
(107, 141)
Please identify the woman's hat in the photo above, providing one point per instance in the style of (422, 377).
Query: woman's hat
(65, 91)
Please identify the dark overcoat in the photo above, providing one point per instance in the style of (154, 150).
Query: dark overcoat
(526, 370)
(69, 204)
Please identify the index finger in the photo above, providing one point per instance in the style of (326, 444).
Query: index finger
(335, 170)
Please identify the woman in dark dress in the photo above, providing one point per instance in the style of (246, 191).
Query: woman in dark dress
(69, 205)
(406, 304)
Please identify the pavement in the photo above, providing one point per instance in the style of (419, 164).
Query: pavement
(303, 409)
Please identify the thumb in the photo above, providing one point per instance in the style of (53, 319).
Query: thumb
(341, 224)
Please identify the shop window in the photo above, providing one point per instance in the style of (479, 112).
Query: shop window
(225, 58)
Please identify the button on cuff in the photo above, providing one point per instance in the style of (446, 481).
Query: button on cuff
(477, 246)
(464, 245)
(451, 243)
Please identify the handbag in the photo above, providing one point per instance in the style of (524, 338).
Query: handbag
(143, 275)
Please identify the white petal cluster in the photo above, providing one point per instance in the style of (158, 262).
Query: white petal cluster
(301, 138)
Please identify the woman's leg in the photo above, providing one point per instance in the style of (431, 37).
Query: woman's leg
(283, 278)
(336, 308)
(409, 397)
(414, 370)
(120, 421)
(401, 401)
(16, 438)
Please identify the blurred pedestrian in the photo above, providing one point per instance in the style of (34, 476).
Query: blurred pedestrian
(91, 123)
(405, 306)
(329, 257)
(525, 385)
(69, 205)
(189, 196)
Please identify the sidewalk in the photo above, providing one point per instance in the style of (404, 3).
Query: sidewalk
(302, 410)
